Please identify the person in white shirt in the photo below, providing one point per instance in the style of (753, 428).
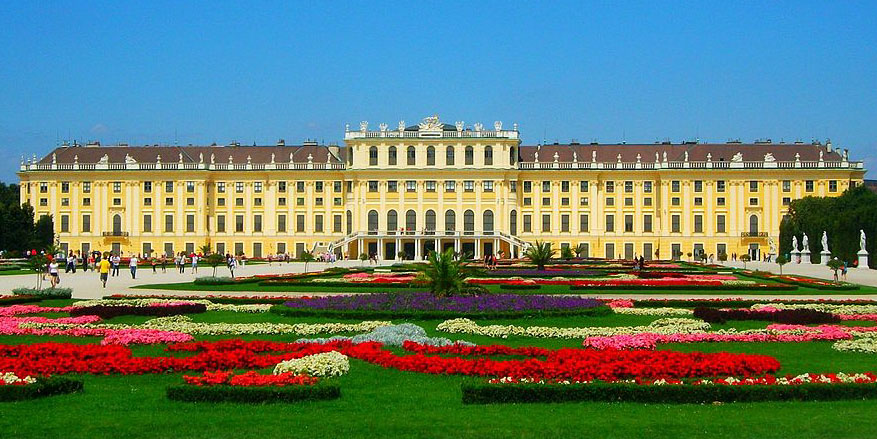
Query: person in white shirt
(132, 264)
(195, 263)
(116, 260)
(53, 273)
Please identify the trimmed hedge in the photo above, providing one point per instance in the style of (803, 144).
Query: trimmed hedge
(787, 316)
(217, 280)
(484, 393)
(43, 387)
(214, 299)
(260, 394)
(109, 311)
(777, 287)
(519, 287)
(46, 293)
(435, 314)
(15, 300)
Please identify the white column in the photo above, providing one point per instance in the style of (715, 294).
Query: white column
(417, 249)
(477, 248)
(398, 248)
(381, 248)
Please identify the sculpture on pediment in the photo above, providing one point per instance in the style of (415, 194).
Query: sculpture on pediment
(363, 126)
(825, 242)
(769, 158)
(737, 157)
(805, 244)
(430, 123)
(104, 160)
(497, 125)
(129, 160)
(459, 125)
(861, 240)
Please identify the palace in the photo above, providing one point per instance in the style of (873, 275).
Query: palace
(401, 193)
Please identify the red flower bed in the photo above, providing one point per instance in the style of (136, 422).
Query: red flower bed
(250, 379)
(572, 364)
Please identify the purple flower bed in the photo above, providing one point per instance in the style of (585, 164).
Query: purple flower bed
(425, 305)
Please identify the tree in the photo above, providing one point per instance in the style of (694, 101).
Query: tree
(445, 274)
(745, 258)
(214, 260)
(566, 253)
(37, 263)
(43, 232)
(402, 255)
(205, 249)
(363, 257)
(307, 256)
(581, 249)
(781, 260)
(834, 264)
(723, 257)
(540, 254)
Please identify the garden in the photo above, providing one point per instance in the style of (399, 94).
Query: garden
(443, 350)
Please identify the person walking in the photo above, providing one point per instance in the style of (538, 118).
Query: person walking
(163, 263)
(194, 263)
(843, 271)
(53, 273)
(116, 260)
(181, 262)
(132, 264)
(104, 269)
(232, 263)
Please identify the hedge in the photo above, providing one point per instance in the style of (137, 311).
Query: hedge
(109, 311)
(485, 393)
(777, 287)
(214, 280)
(43, 387)
(519, 286)
(435, 314)
(260, 394)
(214, 299)
(786, 316)
(46, 293)
(14, 300)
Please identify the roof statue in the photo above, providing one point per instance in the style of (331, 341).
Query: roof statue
(497, 125)
(709, 156)
(346, 127)
(230, 159)
(129, 160)
(619, 157)
(158, 159)
(665, 156)
(769, 158)
(363, 126)
(459, 125)
(272, 158)
(478, 126)
(657, 157)
(402, 125)
(249, 160)
(104, 159)
(212, 158)
(536, 156)
(797, 156)
(200, 157)
(686, 156)
(430, 123)
(383, 127)
(593, 156)
(54, 158)
(76, 159)
(738, 157)
(820, 155)
(290, 157)
(310, 158)
(575, 157)
(556, 156)
(638, 158)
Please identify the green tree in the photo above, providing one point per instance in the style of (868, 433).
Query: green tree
(540, 254)
(445, 275)
(781, 260)
(581, 249)
(723, 257)
(363, 257)
(205, 249)
(43, 232)
(307, 257)
(37, 263)
(834, 264)
(214, 260)
(566, 253)
(745, 258)
(402, 255)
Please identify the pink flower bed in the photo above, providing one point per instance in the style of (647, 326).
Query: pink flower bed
(862, 317)
(12, 326)
(648, 340)
(14, 310)
(385, 278)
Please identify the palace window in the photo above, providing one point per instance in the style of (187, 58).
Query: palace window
(720, 223)
(318, 201)
(468, 185)
(628, 186)
(318, 224)
(564, 186)
(720, 186)
(528, 201)
(412, 156)
(147, 201)
(220, 223)
(698, 224)
(449, 156)
(753, 201)
(832, 186)
(410, 186)
(220, 187)
(787, 201)
(336, 201)
(546, 223)
(392, 186)
(373, 156)
(86, 223)
(628, 201)
(65, 223)
(190, 186)
(430, 185)
(373, 186)
(583, 201)
(647, 187)
(698, 185)
(753, 186)
(300, 201)
(720, 201)
(674, 223)
(281, 186)
(336, 186)
(513, 186)
(583, 186)
(528, 224)
(469, 155)
(44, 187)
(808, 185)
(336, 224)
(610, 223)
(610, 201)
(391, 157)
(86, 186)
(787, 186)
(628, 223)
(647, 223)
(281, 201)
(239, 202)
(610, 187)
(86, 201)
(220, 201)
(239, 223)
(191, 201)
(450, 186)
(528, 186)
(117, 186)
(169, 186)
(488, 186)
(583, 223)
(239, 187)
(65, 187)
(546, 201)
(147, 223)
(564, 201)
(698, 201)
(117, 201)
(430, 155)
(675, 201)
(169, 201)
(546, 186)
(65, 202)
(168, 223)
(190, 222)
(564, 223)
(674, 186)
(488, 155)
(257, 187)
(299, 186)
(300, 223)
(647, 201)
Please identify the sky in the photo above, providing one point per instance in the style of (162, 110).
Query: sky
(215, 71)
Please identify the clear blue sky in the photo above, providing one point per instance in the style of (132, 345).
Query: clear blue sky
(205, 72)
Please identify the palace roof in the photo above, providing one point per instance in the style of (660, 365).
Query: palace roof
(676, 152)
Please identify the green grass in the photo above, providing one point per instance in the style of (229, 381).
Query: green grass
(377, 402)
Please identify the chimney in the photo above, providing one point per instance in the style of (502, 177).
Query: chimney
(281, 142)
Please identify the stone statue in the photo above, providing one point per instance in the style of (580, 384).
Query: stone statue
(686, 156)
(556, 156)
(479, 126)
(772, 246)
(272, 158)
(575, 157)
(737, 157)
(383, 127)
(212, 158)
(769, 158)
(129, 160)
(181, 157)
(430, 123)
(497, 125)
(104, 159)
(665, 156)
(657, 158)
(594, 156)
(200, 157)
(805, 243)
(401, 125)
(619, 157)
(459, 125)
(861, 240)
(709, 156)
(363, 126)
(794, 244)
(825, 242)
(820, 155)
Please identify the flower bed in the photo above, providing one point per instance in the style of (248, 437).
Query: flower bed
(13, 300)
(76, 327)
(740, 303)
(252, 387)
(211, 306)
(250, 379)
(661, 326)
(807, 387)
(425, 305)
(13, 388)
(156, 310)
(229, 300)
(325, 364)
(801, 281)
(788, 316)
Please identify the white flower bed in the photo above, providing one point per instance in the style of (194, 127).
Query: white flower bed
(824, 307)
(662, 326)
(186, 325)
(10, 378)
(867, 344)
(248, 308)
(664, 312)
(326, 364)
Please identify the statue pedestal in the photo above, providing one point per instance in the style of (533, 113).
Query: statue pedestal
(826, 256)
(863, 260)
(805, 257)
(796, 257)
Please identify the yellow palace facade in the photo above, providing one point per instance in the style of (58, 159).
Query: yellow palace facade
(405, 191)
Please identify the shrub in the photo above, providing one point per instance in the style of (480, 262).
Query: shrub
(14, 300)
(190, 393)
(519, 286)
(108, 312)
(484, 393)
(48, 293)
(787, 316)
(43, 387)
(214, 280)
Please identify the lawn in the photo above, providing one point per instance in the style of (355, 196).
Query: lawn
(379, 402)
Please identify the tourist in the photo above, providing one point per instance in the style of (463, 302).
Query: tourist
(104, 268)
(71, 263)
(164, 263)
(116, 260)
(181, 262)
(53, 273)
(843, 271)
(132, 264)
(194, 263)
(153, 262)
(232, 263)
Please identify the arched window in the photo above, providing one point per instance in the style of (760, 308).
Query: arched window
(449, 156)
(513, 156)
(430, 156)
(430, 221)
(488, 155)
(411, 221)
(349, 222)
(392, 221)
(469, 154)
(391, 156)
(753, 225)
(117, 224)
(450, 221)
(468, 222)
(513, 222)
(373, 156)
(487, 222)
(372, 222)
(412, 156)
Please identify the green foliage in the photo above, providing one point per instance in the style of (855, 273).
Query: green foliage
(834, 264)
(307, 257)
(483, 393)
(841, 217)
(255, 394)
(43, 387)
(37, 263)
(43, 232)
(214, 260)
(49, 293)
(580, 250)
(723, 257)
(373, 314)
(445, 275)
(519, 286)
(540, 253)
(566, 253)
(781, 260)
(402, 255)
(214, 280)
(363, 256)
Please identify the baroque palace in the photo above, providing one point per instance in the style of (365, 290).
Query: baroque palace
(407, 191)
